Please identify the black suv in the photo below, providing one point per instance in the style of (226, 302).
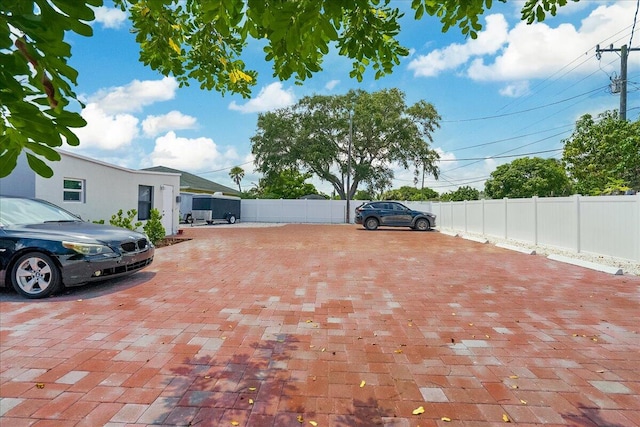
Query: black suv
(393, 214)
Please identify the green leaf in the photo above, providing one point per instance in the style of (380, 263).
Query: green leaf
(8, 161)
(39, 167)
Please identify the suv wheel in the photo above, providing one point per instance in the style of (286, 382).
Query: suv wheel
(422, 224)
(371, 223)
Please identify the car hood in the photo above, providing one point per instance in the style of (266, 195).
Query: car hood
(85, 232)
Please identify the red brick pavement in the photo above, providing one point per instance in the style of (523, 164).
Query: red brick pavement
(333, 325)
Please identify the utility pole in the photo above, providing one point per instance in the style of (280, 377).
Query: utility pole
(619, 84)
(349, 167)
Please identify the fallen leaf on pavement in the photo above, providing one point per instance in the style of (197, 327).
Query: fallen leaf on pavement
(418, 411)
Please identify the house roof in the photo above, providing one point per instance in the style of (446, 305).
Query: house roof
(195, 184)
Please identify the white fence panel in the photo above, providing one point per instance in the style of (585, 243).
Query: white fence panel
(603, 225)
(475, 217)
(609, 225)
(495, 218)
(443, 216)
(557, 222)
(458, 215)
(521, 220)
(295, 211)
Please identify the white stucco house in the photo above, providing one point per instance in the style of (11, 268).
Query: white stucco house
(96, 190)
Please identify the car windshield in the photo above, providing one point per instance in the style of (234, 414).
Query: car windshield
(16, 211)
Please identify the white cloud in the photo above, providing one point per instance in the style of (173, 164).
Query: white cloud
(489, 41)
(195, 154)
(110, 17)
(174, 120)
(106, 131)
(136, 95)
(269, 98)
(515, 90)
(528, 51)
(332, 84)
(529, 55)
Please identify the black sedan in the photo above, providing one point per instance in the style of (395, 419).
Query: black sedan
(393, 214)
(44, 247)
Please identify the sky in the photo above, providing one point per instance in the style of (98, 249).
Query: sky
(515, 91)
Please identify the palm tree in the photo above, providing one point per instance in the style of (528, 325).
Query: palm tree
(237, 173)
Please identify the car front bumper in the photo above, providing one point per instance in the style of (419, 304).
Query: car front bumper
(78, 271)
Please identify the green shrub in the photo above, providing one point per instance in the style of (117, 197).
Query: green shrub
(154, 229)
(119, 220)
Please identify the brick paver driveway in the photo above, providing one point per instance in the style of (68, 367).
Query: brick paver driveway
(329, 326)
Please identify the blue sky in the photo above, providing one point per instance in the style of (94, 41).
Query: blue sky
(516, 90)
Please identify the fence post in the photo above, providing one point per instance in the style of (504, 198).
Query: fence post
(638, 227)
(466, 227)
(505, 200)
(451, 217)
(576, 197)
(535, 220)
(483, 218)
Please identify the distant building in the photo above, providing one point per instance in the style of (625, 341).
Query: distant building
(96, 190)
(190, 183)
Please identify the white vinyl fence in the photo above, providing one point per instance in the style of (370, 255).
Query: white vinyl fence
(603, 225)
(307, 211)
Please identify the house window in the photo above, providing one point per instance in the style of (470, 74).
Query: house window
(73, 190)
(145, 202)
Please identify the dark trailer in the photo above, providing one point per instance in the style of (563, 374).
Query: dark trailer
(215, 207)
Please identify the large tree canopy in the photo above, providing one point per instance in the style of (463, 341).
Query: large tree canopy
(461, 194)
(528, 177)
(196, 40)
(315, 134)
(601, 151)
(287, 184)
(410, 193)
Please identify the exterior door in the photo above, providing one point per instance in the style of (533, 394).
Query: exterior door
(167, 209)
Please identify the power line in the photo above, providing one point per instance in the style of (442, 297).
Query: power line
(509, 139)
(635, 19)
(521, 111)
(225, 169)
(500, 157)
(505, 152)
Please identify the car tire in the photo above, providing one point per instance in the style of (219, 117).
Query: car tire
(422, 224)
(371, 223)
(35, 275)
(231, 219)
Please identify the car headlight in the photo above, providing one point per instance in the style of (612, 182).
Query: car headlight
(87, 248)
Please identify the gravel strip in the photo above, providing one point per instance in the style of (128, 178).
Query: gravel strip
(628, 267)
